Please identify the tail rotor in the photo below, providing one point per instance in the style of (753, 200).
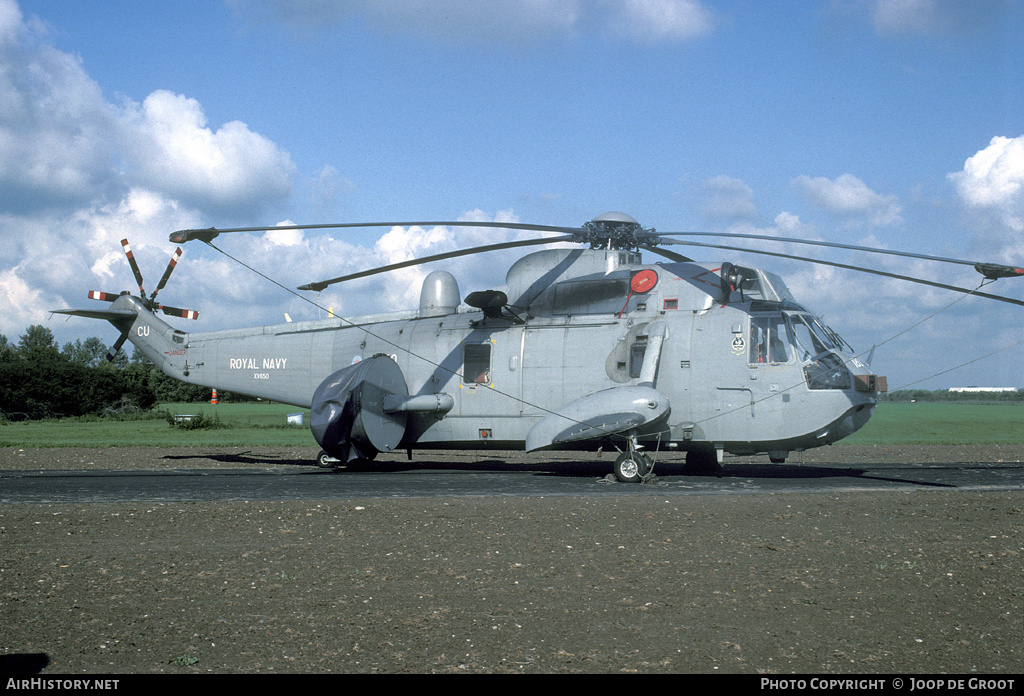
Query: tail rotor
(149, 301)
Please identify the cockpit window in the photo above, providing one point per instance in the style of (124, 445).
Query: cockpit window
(835, 340)
(769, 339)
(806, 339)
(813, 337)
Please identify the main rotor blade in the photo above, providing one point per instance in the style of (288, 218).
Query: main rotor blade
(134, 265)
(848, 267)
(206, 235)
(320, 285)
(670, 255)
(989, 270)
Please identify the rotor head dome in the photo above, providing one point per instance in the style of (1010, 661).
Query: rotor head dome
(613, 217)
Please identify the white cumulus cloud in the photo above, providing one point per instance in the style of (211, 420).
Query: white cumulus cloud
(991, 186)
(173, 150)
(54, 123)
(848, 196)
(728, 198)
(994, 176)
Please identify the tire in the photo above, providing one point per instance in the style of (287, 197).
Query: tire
(631, 468)
(326, 461)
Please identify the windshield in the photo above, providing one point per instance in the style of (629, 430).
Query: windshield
(812, 337)
(818, 346)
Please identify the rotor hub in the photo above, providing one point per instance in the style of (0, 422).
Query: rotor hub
(613, 231)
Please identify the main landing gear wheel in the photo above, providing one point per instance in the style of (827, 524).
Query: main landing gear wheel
(631, 467)
(326, 461)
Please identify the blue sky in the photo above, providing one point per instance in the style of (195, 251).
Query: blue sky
(897, 123)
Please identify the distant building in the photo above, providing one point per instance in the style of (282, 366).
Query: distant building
(983, 389)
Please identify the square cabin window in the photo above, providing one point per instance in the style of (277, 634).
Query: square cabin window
(476, 367)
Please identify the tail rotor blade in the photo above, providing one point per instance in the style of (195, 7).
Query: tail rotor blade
(116, 348)
(133, 264)
(178, 312)
(150, 302)
(167, 274)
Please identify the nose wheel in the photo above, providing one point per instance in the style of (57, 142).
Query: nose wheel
(632, 466)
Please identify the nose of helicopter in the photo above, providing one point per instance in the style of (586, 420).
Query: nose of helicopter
(847, 424)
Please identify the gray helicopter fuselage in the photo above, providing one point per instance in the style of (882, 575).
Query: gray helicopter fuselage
(744, 370)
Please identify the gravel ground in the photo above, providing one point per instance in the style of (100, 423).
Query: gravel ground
(884, 583)
(125, 458)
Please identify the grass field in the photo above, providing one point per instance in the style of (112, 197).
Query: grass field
(266, 425)
(942, 424)
(258, 424)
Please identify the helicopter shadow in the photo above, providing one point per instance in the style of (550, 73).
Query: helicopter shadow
(665, 471)
(798, 472)
(582, 468)
(246, 457)
(23, 663)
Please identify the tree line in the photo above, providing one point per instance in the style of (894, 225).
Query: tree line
(41, 379)
(946, 395)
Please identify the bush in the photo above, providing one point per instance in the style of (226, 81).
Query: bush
(199, 421)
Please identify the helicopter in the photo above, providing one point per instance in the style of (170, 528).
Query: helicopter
(583, 348)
